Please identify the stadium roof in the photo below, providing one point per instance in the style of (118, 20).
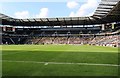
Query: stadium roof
(108, 11)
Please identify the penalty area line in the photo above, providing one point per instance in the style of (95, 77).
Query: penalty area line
(46, 63)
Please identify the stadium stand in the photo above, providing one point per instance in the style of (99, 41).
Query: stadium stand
(103, 28)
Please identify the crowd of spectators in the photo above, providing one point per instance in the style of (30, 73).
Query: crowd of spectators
(112, 41)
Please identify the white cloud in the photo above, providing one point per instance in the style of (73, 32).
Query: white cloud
(84, 9)
(72, 4)
(23, 14)
(43, 13)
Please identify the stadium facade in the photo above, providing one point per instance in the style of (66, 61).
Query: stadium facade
(102, 28)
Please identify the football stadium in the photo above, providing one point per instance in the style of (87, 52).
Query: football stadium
(64, 46)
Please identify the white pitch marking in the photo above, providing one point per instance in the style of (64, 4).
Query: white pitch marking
(46, 63)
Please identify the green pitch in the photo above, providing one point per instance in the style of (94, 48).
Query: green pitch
(59, 60)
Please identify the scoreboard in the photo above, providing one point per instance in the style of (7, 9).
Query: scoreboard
(108, 26)
(8, 29)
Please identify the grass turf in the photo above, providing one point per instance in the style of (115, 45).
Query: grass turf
(59, 53)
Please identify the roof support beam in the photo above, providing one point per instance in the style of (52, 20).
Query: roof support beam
(28, 20)
(48, 21)
(65, 22)
(71, 21)
(90, 20)
(107, 4)
(35, 20)
(104, 8)
(58, 21)
(100, 13)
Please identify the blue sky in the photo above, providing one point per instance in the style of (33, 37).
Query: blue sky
(49, 9)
